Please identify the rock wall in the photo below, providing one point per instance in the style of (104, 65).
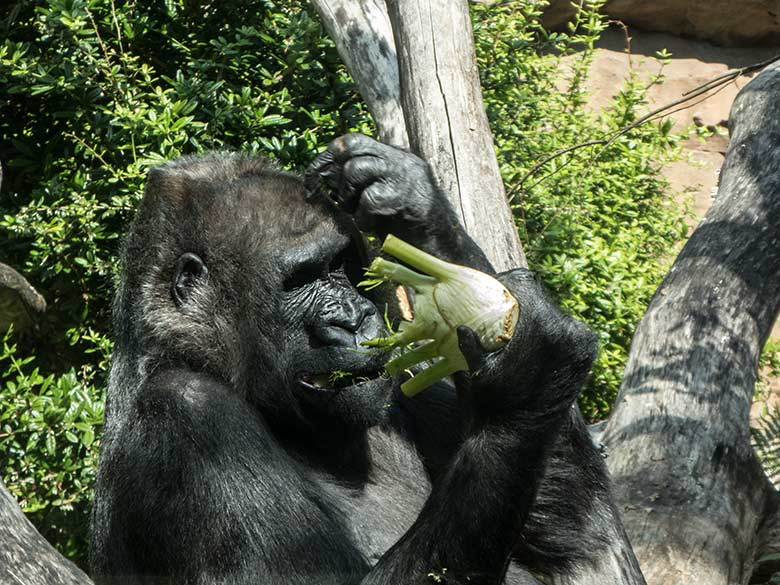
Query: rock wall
(724, 22)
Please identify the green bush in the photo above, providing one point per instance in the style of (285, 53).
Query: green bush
(598, 231)
(48, 430)
(94, 92)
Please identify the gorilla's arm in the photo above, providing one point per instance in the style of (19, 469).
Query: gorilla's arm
(200, 490)
(390, 190)
(514, 406)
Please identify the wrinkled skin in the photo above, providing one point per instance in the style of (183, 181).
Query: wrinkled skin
(232, 454)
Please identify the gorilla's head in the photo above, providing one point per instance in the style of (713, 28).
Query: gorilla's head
(227, 270)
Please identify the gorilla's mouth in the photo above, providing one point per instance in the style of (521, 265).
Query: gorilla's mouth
(340, 380)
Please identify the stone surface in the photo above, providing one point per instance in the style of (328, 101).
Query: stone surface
(725, 22)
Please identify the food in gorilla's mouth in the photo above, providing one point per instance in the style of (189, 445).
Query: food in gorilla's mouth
(447, 296)
(338, 379)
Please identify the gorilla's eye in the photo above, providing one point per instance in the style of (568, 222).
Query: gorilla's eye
(305, 273)
(311, 270)
(190, 270)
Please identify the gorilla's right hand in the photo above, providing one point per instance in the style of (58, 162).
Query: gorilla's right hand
(375, 182)
(389, 190)
(536, 377)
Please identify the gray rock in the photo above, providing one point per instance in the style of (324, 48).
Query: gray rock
(724, 22)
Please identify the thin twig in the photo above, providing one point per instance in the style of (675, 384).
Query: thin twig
(548, 158)
(686, 101)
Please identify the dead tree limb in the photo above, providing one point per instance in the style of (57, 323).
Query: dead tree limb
(693, 494)
(25, 556)
(446, 121)
(364, 39)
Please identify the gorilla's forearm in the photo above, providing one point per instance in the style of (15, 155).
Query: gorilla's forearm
(565, 527)
(480, 489)
(445, 237)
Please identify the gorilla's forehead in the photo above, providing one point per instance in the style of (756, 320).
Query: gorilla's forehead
(229, 195)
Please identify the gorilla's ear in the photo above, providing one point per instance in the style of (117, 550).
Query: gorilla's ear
(190, 271)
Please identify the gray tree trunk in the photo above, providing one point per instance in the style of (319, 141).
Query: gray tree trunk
(364, 39)
(446, 121)
(692, 491)
(25, 556)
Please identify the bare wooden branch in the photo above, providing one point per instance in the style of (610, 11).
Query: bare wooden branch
(25, 556)
(446, 122)
(364, 39)
(693, 493)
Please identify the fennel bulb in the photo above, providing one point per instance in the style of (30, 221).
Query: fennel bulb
(446, 297)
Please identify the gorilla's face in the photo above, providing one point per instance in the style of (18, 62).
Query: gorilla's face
(257, 287)
(325, 319)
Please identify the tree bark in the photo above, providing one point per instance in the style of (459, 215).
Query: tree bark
(364, 39)
(446, 122)
(693, 492)
(447, 126)
(25, 556)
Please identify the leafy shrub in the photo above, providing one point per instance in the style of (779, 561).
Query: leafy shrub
(598, 231)
(94, 92)
(48, 440)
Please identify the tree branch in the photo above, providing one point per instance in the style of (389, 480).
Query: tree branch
(694, 494)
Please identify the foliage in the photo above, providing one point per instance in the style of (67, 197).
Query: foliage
(765, 437)
(94, 92)
(765, 430)
(48, 440)
(590, 218)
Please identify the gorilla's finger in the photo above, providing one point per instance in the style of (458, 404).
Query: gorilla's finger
(471, 348)
(313, 178)
(354, 145)
(379, 199)
(363, 170)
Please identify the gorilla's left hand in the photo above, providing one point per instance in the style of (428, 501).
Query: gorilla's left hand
(389, 190)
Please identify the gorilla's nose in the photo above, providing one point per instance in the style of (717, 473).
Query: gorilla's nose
(350, 323)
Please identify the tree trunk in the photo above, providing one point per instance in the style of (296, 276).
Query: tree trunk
(447, 125)
(692, 491)
(446, 122)
(25, 556)
(364, 39)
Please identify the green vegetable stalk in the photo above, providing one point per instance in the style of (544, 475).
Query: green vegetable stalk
(447, 296)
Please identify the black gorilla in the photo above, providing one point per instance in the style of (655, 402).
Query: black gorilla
(230, 457)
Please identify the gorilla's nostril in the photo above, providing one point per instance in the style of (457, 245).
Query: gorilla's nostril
(335, 335)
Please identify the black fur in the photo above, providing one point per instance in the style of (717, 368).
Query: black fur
(225, 458)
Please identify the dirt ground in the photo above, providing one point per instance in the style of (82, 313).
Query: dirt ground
(693, 63)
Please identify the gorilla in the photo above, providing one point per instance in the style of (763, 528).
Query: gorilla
(231, 453)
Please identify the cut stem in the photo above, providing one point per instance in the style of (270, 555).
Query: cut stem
(386, 270)
(441, 369)
(412, 358)
(418, 259)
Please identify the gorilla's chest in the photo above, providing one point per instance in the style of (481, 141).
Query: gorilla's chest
(379, 512)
